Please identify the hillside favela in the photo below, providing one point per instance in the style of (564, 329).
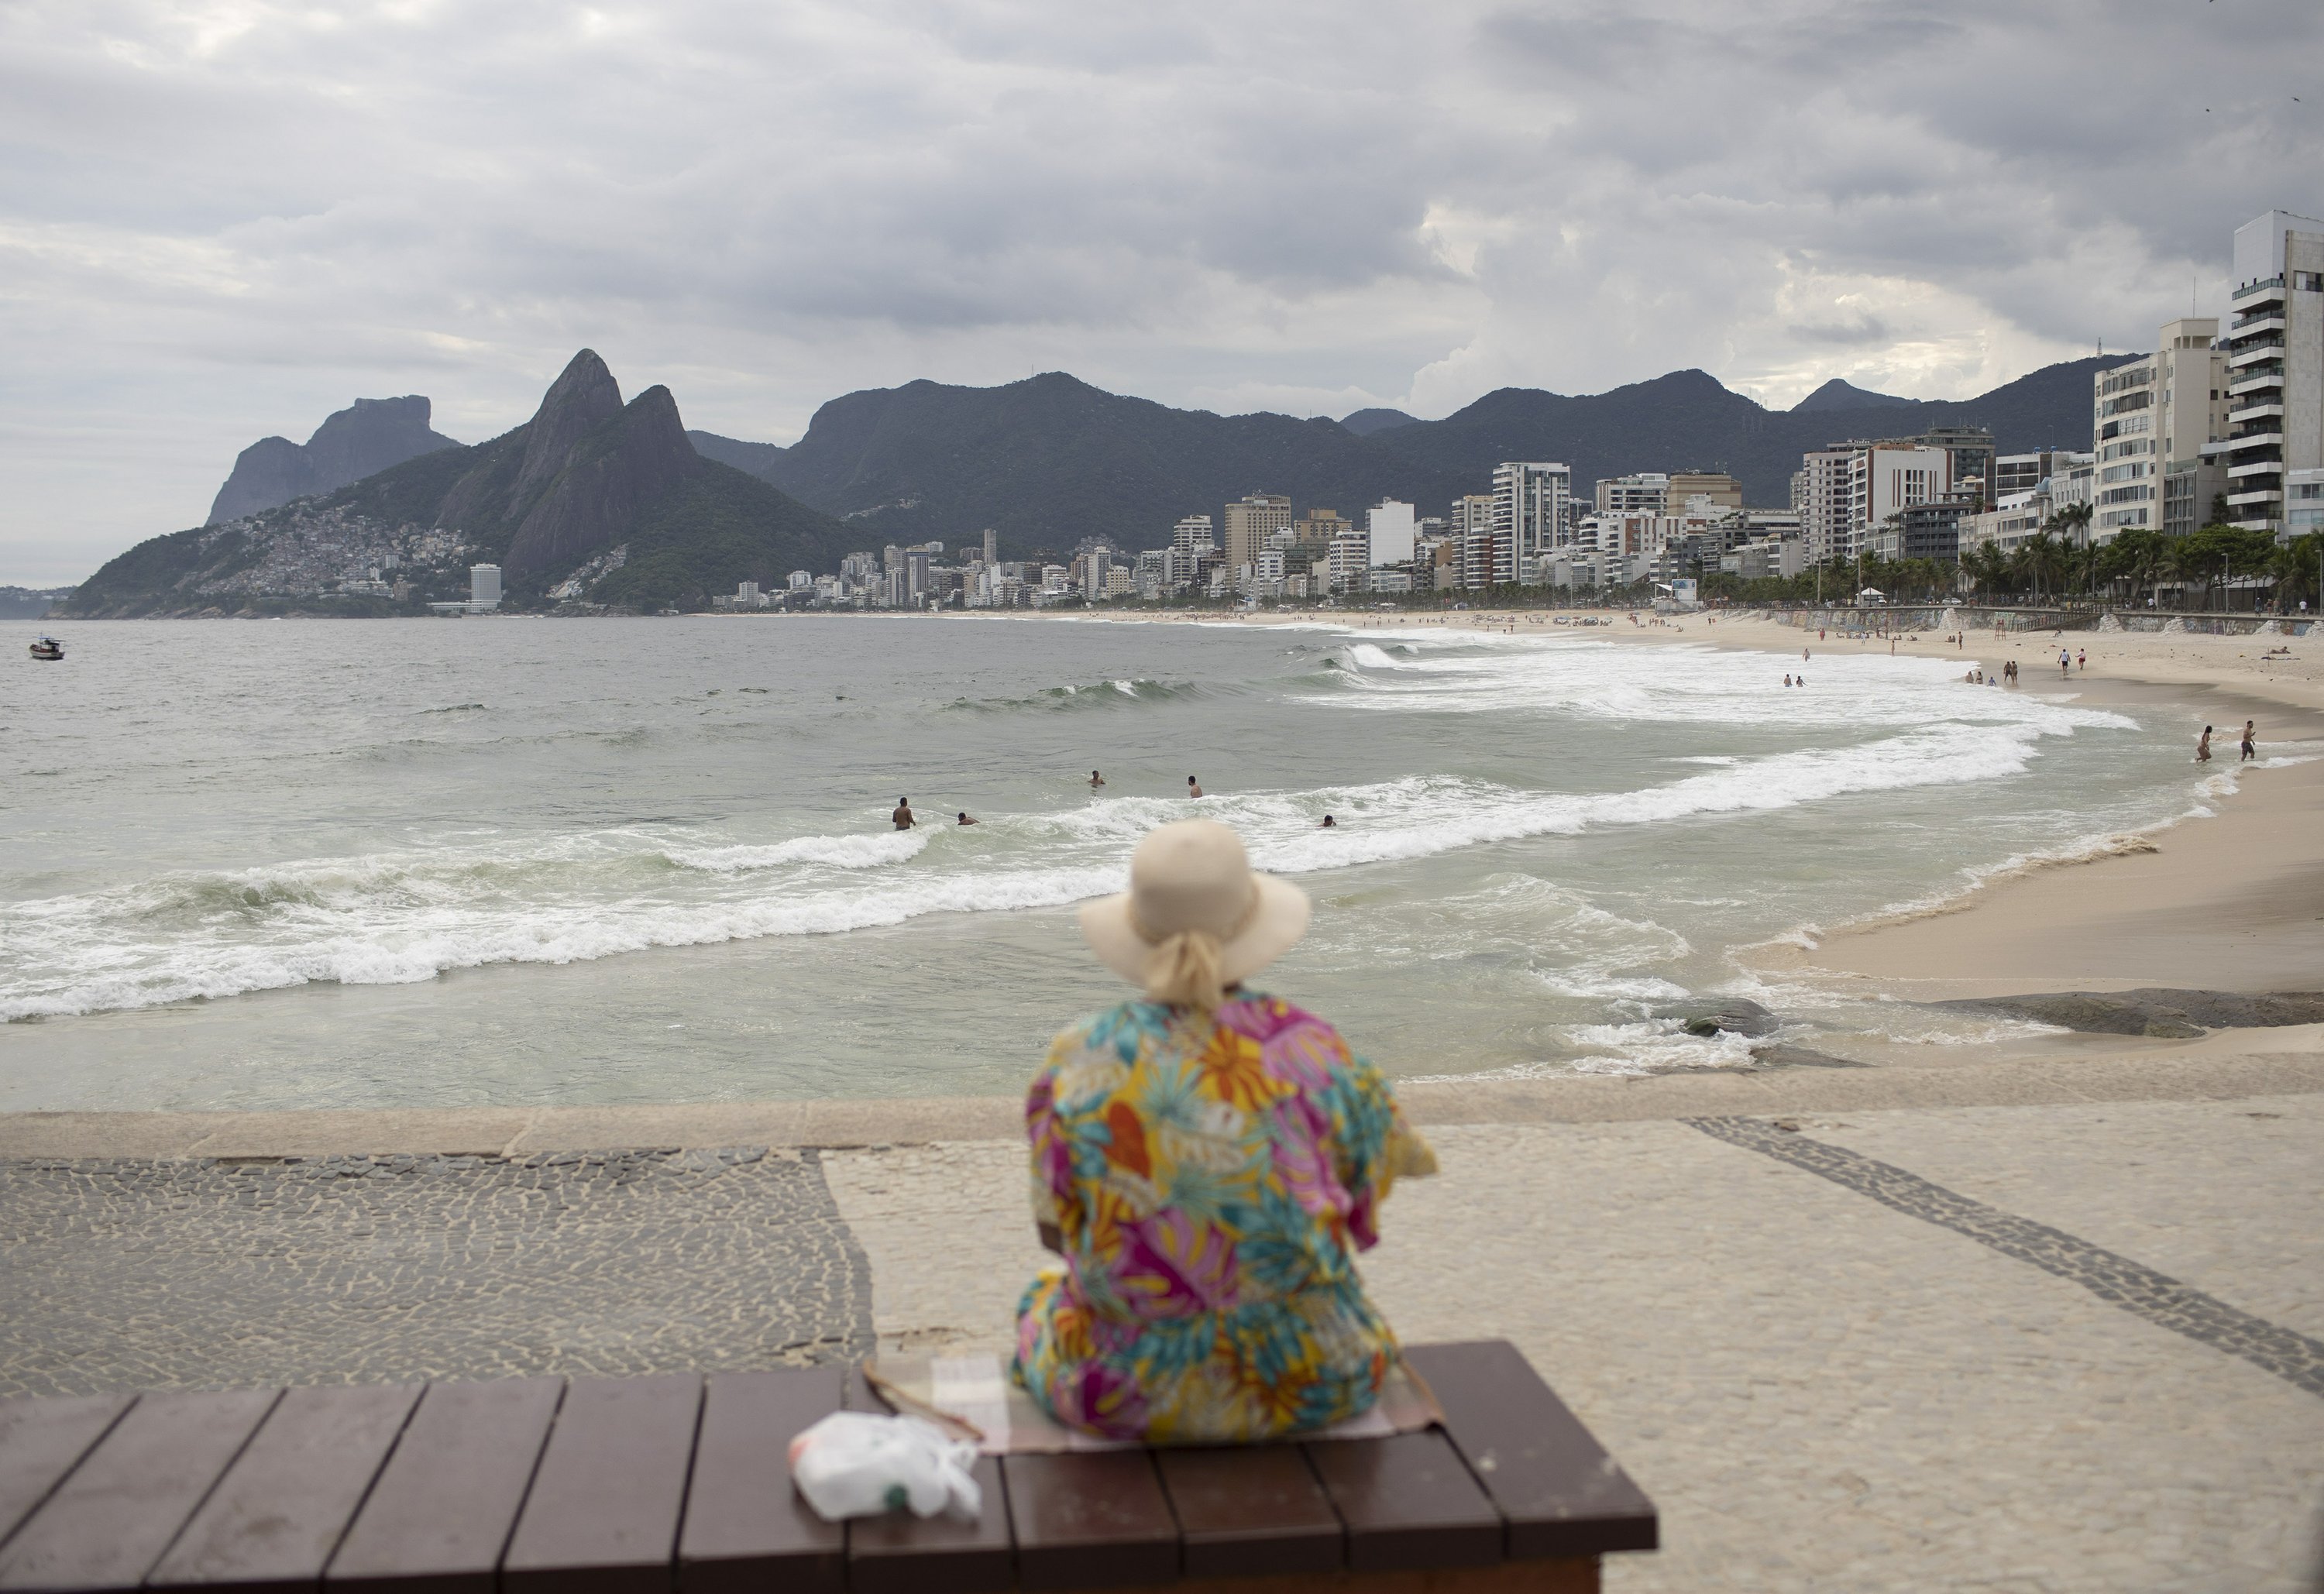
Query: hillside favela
(1489, 799)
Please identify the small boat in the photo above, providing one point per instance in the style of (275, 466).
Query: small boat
(50, 648)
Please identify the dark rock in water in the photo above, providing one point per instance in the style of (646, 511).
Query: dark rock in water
(1731, 1015)
(2163, 1013)
(1784, 1056)
(361, 440)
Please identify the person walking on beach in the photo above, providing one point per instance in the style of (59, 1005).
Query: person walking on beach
(2203, 747)
(2065, 664)
(1193, 787)
(2248, 750)
(903, 814)
(2083, 658)
(1207, 1162)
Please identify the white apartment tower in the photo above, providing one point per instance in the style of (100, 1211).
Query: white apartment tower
(1388, 527)
(1533, 512)
(2275, 365)
(1822, 494)
(2150, 421)
(483, 587)
(1192, 535)
(1886, 478)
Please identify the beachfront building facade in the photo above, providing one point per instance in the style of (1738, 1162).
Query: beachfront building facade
(2151, 421)
(1533, 514)
(1193, 535)
(2276, 366)
(1820, 497)
(1387, 530)
(1251, 522)
(1641, 493)
(1884, 479)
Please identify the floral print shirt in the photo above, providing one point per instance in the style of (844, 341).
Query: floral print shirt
(1211, 1178)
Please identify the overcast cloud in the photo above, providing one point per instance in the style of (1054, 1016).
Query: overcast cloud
(226, 219)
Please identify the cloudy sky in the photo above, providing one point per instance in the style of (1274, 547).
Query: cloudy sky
(224, 220)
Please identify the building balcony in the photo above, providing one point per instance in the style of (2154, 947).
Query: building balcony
(2253, 469)
(2256, 382)
(2240, 442)
(2267, 348)
(2254, 495)
(2264, 409)
(2273, 285)
(2270, 319)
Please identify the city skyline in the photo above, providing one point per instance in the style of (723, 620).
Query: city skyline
(228, 224)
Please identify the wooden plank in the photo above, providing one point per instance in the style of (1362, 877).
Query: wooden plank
(1094, 1519)
(1560, 1492)
(901, 1554)
(1256, 1512)
(274, 1518)
(746, 1527)
(440, 1513)
(42, 1441)
(1408, 1503)
(602, 1515)
(108, 1523)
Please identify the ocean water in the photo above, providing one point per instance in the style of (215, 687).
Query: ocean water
(433, 863)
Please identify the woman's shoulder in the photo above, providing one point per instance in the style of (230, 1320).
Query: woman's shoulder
(1284, 1030)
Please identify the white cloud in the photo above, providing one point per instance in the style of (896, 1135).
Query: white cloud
(223, 219)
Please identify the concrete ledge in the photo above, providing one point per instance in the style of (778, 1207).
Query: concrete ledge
(506, 1131)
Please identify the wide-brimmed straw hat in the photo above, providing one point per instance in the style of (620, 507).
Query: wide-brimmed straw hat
(1193, 875)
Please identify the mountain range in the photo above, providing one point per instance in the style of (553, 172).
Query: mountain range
(616, 502)
(1051, 459)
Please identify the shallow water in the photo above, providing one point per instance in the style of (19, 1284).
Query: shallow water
(335, 863)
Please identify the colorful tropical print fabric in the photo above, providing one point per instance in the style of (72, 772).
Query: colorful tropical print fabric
(1211, 1178)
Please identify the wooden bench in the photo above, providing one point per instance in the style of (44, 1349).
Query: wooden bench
(681, 1483)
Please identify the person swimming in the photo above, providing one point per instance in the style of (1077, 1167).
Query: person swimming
(1329, 823)
(964, 819)
(1096, 781)
(903, 814)
(1193, 787)
(1787, 679)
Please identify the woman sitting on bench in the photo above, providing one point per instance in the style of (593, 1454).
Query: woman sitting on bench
(1207, 1160)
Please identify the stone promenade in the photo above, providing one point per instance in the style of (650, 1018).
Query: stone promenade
(2066, 1336)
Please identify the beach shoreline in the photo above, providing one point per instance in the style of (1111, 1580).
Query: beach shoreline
(2228, 896)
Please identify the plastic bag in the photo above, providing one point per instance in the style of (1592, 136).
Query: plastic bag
(858, 1464)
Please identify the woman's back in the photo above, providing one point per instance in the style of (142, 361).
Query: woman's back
(1208, 1177)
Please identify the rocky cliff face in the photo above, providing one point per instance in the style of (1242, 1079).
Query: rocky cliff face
(366, 438)
(607, 478)
(571, 480)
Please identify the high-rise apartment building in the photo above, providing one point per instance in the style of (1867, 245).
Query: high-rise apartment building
(991, 546)
(1532, 513)
(1885, 479)
(1387, 528)
(1250, 522)
(1823, 498)
(483, 587)
(2151, 420)
(1641, 493)
(2275, 365)
(1193, 535)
